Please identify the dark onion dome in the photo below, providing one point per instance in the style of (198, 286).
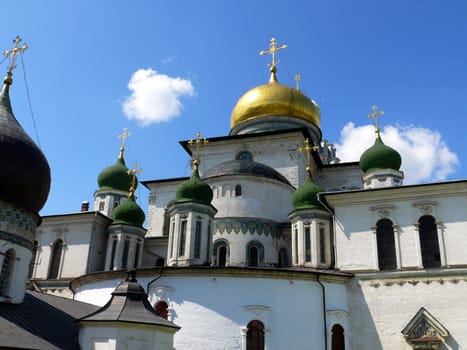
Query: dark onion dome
(24, 170)
(305, 197)
(380, 156)
(194, 190)
(245, 167)
(116, 177)
(128, 213)
(274, 99)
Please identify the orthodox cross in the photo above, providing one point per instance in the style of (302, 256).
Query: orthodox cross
(197, 144)
(297, 78)
(375, 116)
(273, 48)
(14, 52)
(133, 173)
(124, 135)
(308, 149)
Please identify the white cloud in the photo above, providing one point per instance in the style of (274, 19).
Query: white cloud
(169, 59)
(155, 97)
(425, 155)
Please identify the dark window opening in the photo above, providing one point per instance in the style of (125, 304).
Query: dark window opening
(126, 250)
(386, 245)
(255, 336)
(55, 258)
(337, 340)
(238, 190)
(33, 259)
(429, 244)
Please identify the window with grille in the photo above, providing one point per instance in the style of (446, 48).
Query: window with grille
(386, 245)
(6, 272)
(255, 336)
(429, 244)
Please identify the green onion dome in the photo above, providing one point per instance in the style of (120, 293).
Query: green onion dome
(24, 170)
(380, 156)
(129, 213)
(305, 197)
(116, 177)
(194, 190)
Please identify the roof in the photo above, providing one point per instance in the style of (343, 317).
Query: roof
(42, 321)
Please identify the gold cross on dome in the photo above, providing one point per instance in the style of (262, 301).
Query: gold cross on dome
(308, 149)
(133, 173)
(374, 115)
(297, 79)
(124, 135)
(273, 48)
(196, 144)
(14, 52)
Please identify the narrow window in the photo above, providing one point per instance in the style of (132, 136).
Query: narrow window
(221, 252)
(238, 190)
(307, 244)
(162, 309)
(126, 250)
(255, 253)
(295, 248)
(55, 258)
(32, 264)
(172, 238)
(137, 250)
(322, 244)
(255, 336)
(208, 245)
(429, 244)
(253, 257)
(222, 256)
(197, 252)
(337, 338)
(112, 254)
(182, 238)
(6, 272)
(386, 245)
(283, 258)
(101, 206)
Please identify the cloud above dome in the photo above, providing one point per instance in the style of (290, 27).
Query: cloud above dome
(155, 97)
(425, 155)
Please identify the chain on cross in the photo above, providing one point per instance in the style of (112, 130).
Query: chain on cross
(133, 173)
(196, 144)
(16, 50)
(375, 115)
(308, 149)
(273, 48)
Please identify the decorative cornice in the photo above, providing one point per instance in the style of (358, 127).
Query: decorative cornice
(244, 225)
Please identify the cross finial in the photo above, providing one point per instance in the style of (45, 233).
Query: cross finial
(197, 144)
(273, 48)
(374, 115)
(124, 135)
(13, 53)
(297, 79)
(308, 149)
(133, 173)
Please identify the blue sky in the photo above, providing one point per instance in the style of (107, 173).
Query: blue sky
(199, 57)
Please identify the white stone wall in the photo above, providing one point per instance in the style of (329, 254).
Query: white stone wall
(214, 311)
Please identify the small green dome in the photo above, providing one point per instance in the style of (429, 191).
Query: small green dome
(116, 177)
(194, 190)
(305, 196)
(380, 156)
(128, 213)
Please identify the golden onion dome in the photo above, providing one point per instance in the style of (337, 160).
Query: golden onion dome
(274, 99)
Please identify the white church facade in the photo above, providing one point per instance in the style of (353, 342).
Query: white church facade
(271, 243)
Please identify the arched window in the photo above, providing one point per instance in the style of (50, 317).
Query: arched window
(221, 252)
(386, 245)
(238, 190)
(244, 155)
(126, 251)
(55, 259)
(283, 258)
(32, 264)
(429, 244)
(337, 337)
(7, 271)
(255, 335)
(162, 309)
(254, 253)
(137, 252)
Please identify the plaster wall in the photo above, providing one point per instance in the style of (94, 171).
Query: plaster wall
(161, 194)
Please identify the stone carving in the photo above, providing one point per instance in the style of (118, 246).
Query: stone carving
(423, 330)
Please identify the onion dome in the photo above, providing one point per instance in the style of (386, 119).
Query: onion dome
(380, 156)
(305, 197)
(194, 189)
(129, 213)
(274, 100)
(117, 176)
(24, 170)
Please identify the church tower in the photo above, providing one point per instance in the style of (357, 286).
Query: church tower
(24, 188)
(191, 216)
(380, 163)
(126, 233)
(311, 223)
(114, 182)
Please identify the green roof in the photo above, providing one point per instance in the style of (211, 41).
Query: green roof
(380, 156)
(305, 197)
(116, 177)
(129, 213)
(194, 190)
